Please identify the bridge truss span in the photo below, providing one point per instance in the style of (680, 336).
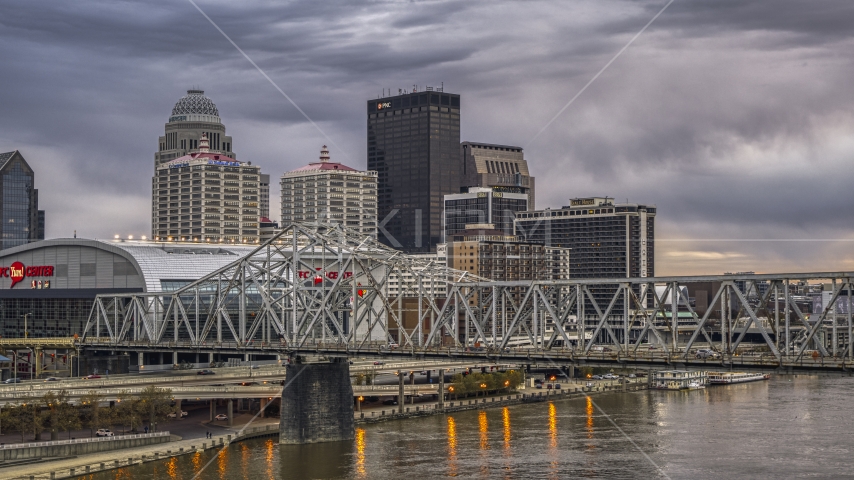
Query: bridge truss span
(321, 284)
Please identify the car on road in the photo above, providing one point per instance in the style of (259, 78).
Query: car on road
(611, 376)
(175, 414)
(221, 417)
(104, 432)
(557, 386)
(12, 380)
(51, 379)
(205, 372)
(379, 363)
(707, 353)
(632, 375)
(390, 402)
(91, 377)
(596, 377)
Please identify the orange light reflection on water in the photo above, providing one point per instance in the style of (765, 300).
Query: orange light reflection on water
(360, 453)
(222, 462)
(172, 468)
(269, 449)
(452, 447)
(589, 412)
(506, 416)
(483, 427)
(197, 461)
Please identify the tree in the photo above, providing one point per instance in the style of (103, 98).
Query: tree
(96, 417)
(127, 411)
(13, 420)
(154, 404)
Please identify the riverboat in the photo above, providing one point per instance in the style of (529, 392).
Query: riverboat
(679, 380)
(726, 378)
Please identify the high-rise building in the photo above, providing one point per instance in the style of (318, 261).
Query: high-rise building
(23, 222)
(413, 145)
(482, 205)
(206, 196)
(193, 115)
(502, 168)
(331, 192)
(264, 195)
(608, 240)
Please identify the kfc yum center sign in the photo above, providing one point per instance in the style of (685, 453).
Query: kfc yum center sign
(18, 272)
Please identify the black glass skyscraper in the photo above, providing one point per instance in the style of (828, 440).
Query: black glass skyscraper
(414, 145)
(22, 221)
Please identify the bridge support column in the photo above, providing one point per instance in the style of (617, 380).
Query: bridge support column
(441, 389)
(210, 357)
(38, 354)
(263, 406)
(174, 358)
(140, 359)
(230, 412)
(213, 409)
(401, 398)
(317, 403)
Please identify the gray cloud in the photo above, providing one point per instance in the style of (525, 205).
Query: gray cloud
(733, 117)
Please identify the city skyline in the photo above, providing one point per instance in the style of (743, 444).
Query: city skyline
(733, 119)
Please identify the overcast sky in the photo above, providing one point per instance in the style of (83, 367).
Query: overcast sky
(734, 118)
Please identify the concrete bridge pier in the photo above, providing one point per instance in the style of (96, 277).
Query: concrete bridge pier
(317, 403)
(230, 412)
(213, 409)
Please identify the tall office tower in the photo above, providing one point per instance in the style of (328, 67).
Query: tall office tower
(482, 205)
(205, 196)
(607, 240)
(330, 192)
(413, 145)
(502, 168)
(193, 115)
(264, 193)
(23, 222)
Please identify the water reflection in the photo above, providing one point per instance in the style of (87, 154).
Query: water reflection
(172, 467)
(553, 452)
(506, 415)
(360, 453)
(244, 459)
(269, 453)
(452, 447)
(316, 460)
(483, 427)
(222, 463)
(589, 411)
(197, 461)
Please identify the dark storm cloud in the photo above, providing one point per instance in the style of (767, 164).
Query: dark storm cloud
(733, 117)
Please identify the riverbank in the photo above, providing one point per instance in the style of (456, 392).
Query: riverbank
(378, 415)
(75, 467)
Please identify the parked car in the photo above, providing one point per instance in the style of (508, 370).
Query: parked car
(538, 385)
(549, 386)
(51, 379)
(91, 377)
(597, 377)
(632, 375)
(12, 380)
(610, 376)
(557, 386)
(205, 372)
(104, 432)
(221, 417)
(390, 402)
(175, 414)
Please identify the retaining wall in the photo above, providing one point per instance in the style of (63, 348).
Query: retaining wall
(83, 446)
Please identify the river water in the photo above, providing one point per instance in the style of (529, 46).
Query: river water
(790, 426)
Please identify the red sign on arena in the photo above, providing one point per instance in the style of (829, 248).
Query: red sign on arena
(18, 271)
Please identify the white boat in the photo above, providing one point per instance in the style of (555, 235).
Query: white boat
(678, 380)
(726, 378)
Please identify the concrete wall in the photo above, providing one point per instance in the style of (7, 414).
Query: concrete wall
(317, 403)
(66, 448)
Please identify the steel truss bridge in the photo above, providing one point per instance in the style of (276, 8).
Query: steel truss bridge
(323, 288)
